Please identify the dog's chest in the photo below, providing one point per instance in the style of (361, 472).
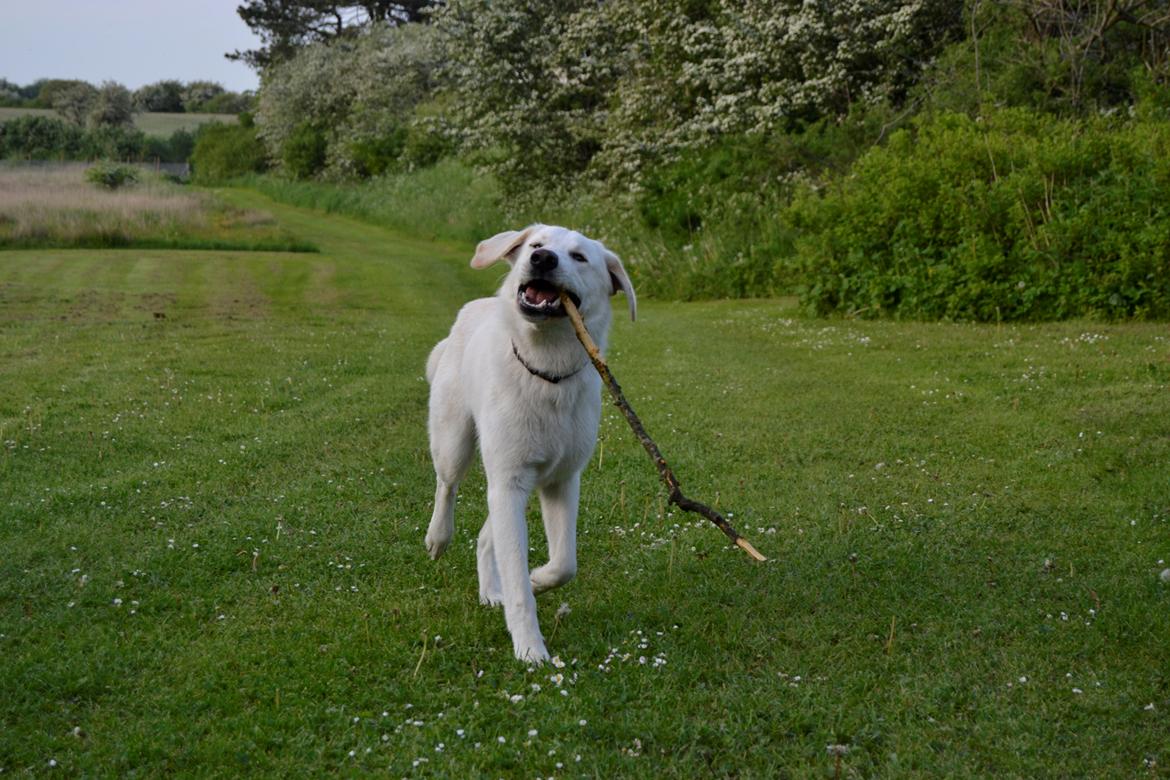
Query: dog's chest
(553, 430)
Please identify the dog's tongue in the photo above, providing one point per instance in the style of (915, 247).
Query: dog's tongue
(539, 295)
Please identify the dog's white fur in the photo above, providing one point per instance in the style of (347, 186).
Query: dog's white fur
(533, 433)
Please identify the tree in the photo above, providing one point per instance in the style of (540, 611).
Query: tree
(112, 106)
(164, 96)
(49, 89)
(9, 93)
(286, 25)
(197, 93)
(1090, 36)
(630, 84)
(359, 93)
(71, 99)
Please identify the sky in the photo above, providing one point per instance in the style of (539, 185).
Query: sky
(133, 42)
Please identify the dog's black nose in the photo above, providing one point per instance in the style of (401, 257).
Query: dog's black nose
(543, 260)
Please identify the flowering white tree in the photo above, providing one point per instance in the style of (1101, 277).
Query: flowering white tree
(550, 88)
(547, 90)
(531, 82)
(351, 90)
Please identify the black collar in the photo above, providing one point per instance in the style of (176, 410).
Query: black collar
(553, 378)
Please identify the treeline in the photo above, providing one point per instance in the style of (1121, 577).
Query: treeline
(920, 158)
(73, 96)
(97, 122)
(35, 137)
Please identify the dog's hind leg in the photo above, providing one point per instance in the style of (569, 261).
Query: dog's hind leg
(452, 448)
(558, 505)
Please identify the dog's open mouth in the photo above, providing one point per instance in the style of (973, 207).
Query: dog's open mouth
(539, 298)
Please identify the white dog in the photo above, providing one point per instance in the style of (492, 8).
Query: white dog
(513, 375)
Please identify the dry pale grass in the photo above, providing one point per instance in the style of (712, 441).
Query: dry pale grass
(59, 204)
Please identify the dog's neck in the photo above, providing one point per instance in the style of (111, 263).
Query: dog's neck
(550, 350)
(550, 378)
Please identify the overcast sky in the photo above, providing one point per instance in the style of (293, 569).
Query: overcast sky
(133, 42)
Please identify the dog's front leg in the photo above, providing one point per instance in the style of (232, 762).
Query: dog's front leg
(489, 573)
(558, 506)
(506, 505)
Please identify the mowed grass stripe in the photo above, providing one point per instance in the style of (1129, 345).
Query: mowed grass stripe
(212, 527)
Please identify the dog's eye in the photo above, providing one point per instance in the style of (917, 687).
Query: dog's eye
(536, 245)
(580, 258)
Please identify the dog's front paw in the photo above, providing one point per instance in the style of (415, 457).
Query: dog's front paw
(551, 576)
(438, 537)
(532, 652)
(436, 546)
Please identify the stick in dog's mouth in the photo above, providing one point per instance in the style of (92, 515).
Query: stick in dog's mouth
(664, 471)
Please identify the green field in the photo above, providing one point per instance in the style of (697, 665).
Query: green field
(214, 485)
(152, 123)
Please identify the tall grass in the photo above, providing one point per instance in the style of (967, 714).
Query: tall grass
(448, 201)
(57, 207)
(454, 202)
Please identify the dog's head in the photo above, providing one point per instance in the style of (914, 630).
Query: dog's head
(545, 260)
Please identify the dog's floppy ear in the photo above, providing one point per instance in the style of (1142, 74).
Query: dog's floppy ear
(621, 281)
(500, 247)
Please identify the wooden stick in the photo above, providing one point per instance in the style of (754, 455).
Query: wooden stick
(664, 471)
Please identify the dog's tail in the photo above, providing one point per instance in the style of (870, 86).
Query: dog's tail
(433, 360)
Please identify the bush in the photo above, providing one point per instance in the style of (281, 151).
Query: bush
(40, 138)
(303, 153)
(1016, 216)
(378, 155)
(111, 176)
(226, 151)
(113, 142)
(175, 149)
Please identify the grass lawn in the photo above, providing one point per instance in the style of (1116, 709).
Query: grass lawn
(214, 484)
(152, 123)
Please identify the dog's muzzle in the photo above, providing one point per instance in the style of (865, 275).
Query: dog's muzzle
(541, 299)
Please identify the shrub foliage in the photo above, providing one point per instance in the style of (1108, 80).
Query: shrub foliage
(227, 151)
(1017, 216)
(111, 176)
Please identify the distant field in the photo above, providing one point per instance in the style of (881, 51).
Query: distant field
(159, 124)
(56, 207)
